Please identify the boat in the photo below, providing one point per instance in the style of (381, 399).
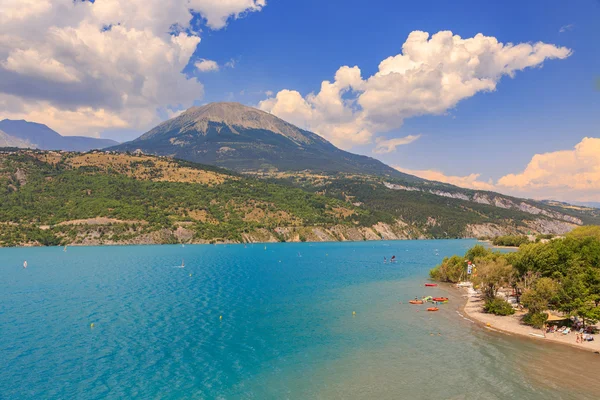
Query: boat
(428, 298)
(432, 309)
(430, 284)
(416, 301)
(440, 299)
(25, 264)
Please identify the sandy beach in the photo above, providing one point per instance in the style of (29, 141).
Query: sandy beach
(512, 325)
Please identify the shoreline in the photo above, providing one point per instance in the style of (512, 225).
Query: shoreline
(511, 325)
(208, 243)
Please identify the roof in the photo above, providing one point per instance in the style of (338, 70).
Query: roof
(555, 318)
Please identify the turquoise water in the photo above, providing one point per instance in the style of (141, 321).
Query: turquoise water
(287, 329)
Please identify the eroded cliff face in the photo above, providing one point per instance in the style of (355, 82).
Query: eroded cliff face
(496, 201)
(95, 235)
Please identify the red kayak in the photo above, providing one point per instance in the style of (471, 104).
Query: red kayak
(430, 284)
(440, 299)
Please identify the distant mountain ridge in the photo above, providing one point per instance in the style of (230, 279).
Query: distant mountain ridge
(24, 134)
(243, 138)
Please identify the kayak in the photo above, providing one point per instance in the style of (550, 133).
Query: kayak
(432, 309)
(428, 298)
(440, 299)
(430, 284)
(416, 301)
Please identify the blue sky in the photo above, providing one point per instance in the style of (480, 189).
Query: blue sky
(119, 82)
(299, 44)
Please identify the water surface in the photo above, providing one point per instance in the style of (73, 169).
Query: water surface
(287, 329)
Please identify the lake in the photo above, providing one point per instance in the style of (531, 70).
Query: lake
(281, 321)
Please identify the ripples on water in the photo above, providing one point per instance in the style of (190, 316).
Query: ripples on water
(287, 329)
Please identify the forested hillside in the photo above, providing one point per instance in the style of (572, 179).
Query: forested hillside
(52, 198)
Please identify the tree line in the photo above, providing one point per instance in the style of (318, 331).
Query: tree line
(561, 275)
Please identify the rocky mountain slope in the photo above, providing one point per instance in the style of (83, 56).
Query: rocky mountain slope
(243, 138)
(51, 198)
(26, 134)
(9, 141)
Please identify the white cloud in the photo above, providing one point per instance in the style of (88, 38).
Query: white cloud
(430, 76)
(206, 65)
(83, 67)
(389, 145)
(231, 64)
(562, 175)
(565, 28)
(566, 175)
(469, 181)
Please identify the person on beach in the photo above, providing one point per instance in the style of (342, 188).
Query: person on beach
(577, 340)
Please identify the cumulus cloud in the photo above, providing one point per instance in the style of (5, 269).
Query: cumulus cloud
(204, 65)
(471, 181)
(83, 67)
(431, 75)
(567, 174)
(389, 145)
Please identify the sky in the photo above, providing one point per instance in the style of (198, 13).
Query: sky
(501, 96)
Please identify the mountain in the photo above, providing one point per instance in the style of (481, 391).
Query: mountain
(243, 138)
(39, 136)
(9, 141)
(106, 198)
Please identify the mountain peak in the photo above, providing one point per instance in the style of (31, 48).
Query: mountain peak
(235, 136)
(238, 116)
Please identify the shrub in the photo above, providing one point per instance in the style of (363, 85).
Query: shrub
(498, 306)
(514, 241)
(537, 320)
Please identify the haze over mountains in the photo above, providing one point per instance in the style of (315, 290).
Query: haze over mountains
(243, 138)
(24, 134)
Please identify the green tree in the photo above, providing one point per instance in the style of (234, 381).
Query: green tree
(492, 275)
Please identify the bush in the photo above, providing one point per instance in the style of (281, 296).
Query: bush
(451, 269)
(498, 306)
(537, 320)
(511, 241)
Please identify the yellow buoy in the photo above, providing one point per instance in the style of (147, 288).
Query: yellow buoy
(353, 312)
(190, 274)
(220, 317)
(92, 325)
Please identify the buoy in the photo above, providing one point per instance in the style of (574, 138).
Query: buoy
(92, 325)
(220, 317)
(488, 324)
(353, 312)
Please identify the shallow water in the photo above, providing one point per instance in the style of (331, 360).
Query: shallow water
(287, 329)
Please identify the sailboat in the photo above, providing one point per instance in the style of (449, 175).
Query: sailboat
(65, 249)
(393, 259)
(25, 264)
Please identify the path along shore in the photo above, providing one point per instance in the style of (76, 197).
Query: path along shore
(512, 325)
